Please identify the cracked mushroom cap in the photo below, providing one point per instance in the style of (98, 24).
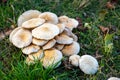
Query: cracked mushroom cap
(37, 55)
(63, 19)
(46, 31)
(74, 60)
(52, 58)
(114, 78)
(50, 44)
(59, 46)
(28, 61)
(39, 42)
(61, 27)
(71, 49)
(22, 38)
(30, 49)
(49, 17)
(13, 32)
(88, 64)
(27, 15)
(32, 23)
(63, 39)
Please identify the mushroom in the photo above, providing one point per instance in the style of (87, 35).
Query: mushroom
(74, 60)
(27, 15)
(63, 19)
(46, 31)
(30, 49)
(32, 23)
(59, 46)
(52, 58)
(28, 61)
(39, 42)
(114, 78)
(22, 38)
(63, 39)
(75, 38)
(49, 17)
(88, 64)
(61, 27)
(37, 55)
(71, 49)
(50, 44)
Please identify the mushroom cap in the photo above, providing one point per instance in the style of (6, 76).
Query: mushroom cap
(39, 42)
(63, 19)
(75, 38)
(61, 27)
(63, 39)
(74, 60)
(30, 49)
(32, 23)
(37, 55)
(88, 64)
(49, 17)
(22, 38)
(50, 44)
(114, 78)
(71, 49)
(59, 46)
(52, 58)
(27, 15)
(67, 31)
(28, 61)
(71, 23)
(46, 31)
(13, 32)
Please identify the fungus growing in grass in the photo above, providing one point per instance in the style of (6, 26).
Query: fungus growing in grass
(39, 42)
(59, 46)
(61, 27)
(88, 64)
(28, 61)
(74, 60)
(114, 78)
(49, 17)
(27, 15)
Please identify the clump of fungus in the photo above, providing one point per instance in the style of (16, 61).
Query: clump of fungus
(47, 38)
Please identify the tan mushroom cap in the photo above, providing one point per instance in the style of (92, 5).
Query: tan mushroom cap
(39, 42)
(75, 38)
(32, 23)
(49, 17)
(30, 49)
(22, 38)
(50, 44)
(28, 61)
(46, 31)
(59, 46)
(37, 55)
(52, 58)
(61, 27)
(71, 49)
(27, 15)
(63, 19)
(13, 32)
(63, 39)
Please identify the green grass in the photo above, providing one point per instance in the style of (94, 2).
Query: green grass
(12, 66)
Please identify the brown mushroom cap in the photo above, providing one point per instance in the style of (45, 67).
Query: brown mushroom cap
(22, 38)
(63, 19)
(61, 27)
(32, 23)
(39, 42)
(71, 49)
(59, 46)
(46, 31)
(50, 44)
(30, 49)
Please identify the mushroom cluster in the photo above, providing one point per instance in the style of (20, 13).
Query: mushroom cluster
(45, 37)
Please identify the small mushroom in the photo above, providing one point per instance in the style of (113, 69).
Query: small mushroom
(63, 39)
(61, 27)
(22, 38)
(50, 44)
(32, 23)
(28, 61)
(37, 55)
(63, 19)
(74, 60)
(39, 42)
(71, 49)
(114, 78)
(59, 46)
(27, 15)
(88, 64)
(46, 31)
(52, 58)
(30, 49)
(49, 17)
